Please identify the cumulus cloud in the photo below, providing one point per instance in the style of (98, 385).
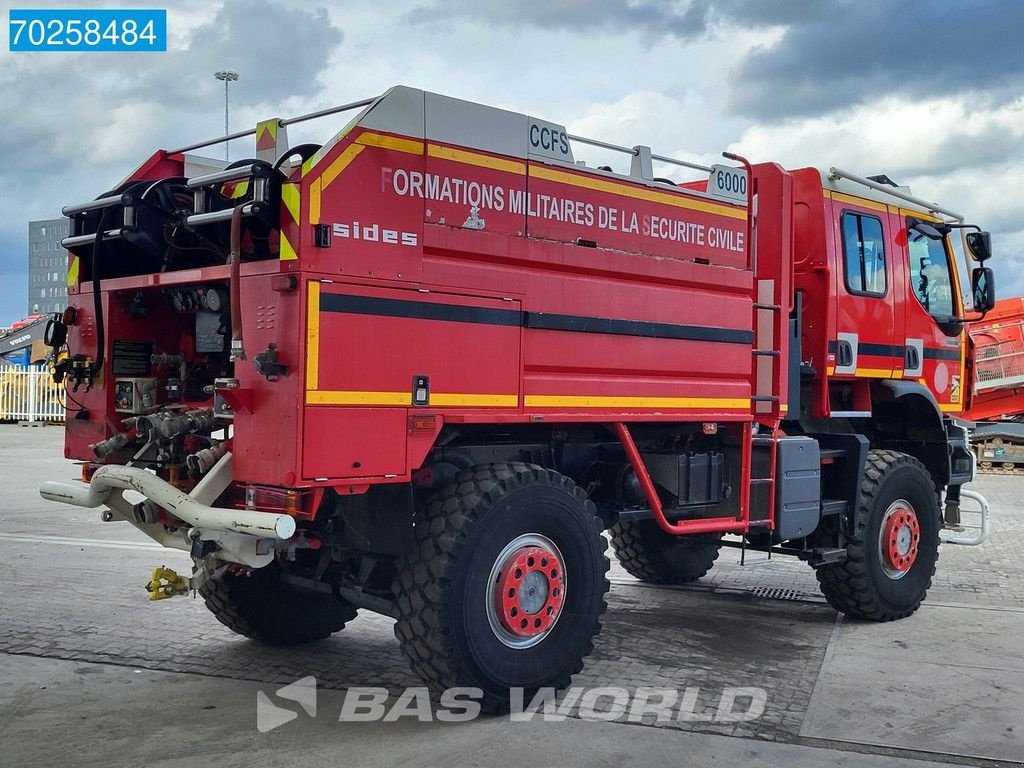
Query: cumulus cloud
(862, 49)
(81, 122)
(928, 92)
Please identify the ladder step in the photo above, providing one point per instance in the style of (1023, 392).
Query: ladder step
(770, 307)
(765, 398)
(761, 480)
(767, 352)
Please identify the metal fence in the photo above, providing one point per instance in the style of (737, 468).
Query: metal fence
(29, 394)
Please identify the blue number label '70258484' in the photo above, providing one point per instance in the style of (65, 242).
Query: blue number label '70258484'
(80, 29)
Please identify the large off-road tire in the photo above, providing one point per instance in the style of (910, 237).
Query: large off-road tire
(891, 556)
(262, 607)
(506, 586)
(651, 555)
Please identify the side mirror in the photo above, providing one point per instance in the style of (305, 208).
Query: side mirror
(983, 288)
(980, 245)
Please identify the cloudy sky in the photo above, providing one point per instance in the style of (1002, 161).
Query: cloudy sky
(930, 93)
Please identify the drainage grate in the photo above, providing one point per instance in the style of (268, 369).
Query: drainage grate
(775, 593)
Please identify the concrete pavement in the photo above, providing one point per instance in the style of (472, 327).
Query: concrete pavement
(90, 672)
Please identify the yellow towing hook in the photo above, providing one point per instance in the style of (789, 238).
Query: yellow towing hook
(166, 583)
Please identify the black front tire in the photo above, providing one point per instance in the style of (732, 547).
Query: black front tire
(649, 554)
(443, 587)
(864, 586)
(262, 607)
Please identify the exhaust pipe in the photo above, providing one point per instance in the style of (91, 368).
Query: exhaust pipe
(109, 478)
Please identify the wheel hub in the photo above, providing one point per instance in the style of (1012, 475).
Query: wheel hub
(528, 581)
(899, 538)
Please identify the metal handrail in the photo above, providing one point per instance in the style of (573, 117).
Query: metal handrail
(634, 151)
(837, 173)
(288, 121)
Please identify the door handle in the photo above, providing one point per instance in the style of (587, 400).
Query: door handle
(912, 359)
(844, 353)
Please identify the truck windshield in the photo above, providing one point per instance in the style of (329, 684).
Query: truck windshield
(929, 274)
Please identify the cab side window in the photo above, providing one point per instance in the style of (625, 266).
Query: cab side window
(930, 274)
(863, 254)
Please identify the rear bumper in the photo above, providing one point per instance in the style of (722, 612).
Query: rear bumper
(243, 535)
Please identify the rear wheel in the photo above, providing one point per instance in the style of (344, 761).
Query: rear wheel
(891, 556)
(506, 586)
(651, 555)
(262, 607)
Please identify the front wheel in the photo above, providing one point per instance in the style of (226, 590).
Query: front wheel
(506, 586)
(891, 556)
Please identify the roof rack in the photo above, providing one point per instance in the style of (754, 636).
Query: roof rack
(837, 173)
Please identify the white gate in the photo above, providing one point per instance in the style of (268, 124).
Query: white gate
(29, 394)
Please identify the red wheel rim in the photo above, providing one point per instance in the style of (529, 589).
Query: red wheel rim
(900, 539)
(529, 591)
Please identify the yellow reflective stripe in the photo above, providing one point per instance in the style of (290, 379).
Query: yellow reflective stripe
(601, 401)
(314, 202)
(950, 407)
(287, 251)
(876, 373)
(266, 125)
(290, 198)
(859, 201)
(638, 193)
(507, 401)
(73, 272)
(237, 189)
(339, 165)
(350, 397)
(919, 215)
(474, 158)
(313, 337)
(397, 143)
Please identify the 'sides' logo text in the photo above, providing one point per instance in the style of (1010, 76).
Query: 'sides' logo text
(374, 233)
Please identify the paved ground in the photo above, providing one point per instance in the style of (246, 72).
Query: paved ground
(92, 672)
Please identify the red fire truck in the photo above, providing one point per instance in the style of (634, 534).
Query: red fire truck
(421, 368)
(997, 354)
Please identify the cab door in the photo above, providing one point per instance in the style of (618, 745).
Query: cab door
(934, 339)
(866, 343)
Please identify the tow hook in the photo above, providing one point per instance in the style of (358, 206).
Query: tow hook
(166, 583)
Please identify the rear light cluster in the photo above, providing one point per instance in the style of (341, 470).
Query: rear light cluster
(298, 503)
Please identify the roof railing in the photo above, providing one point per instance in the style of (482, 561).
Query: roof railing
(837, 173)
(291, 120)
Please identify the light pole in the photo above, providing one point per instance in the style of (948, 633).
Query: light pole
(227, 76)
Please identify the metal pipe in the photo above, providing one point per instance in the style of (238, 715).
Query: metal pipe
(92, 205)
(837, 173)
(252, 131)
(751, 264)
(213, 217)
(73, 242)
(603, 144)
(714, 525)
(219, 177)
(235, 259)
(683, 163)
(950, 537)
(110, 478)
(330, 111)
